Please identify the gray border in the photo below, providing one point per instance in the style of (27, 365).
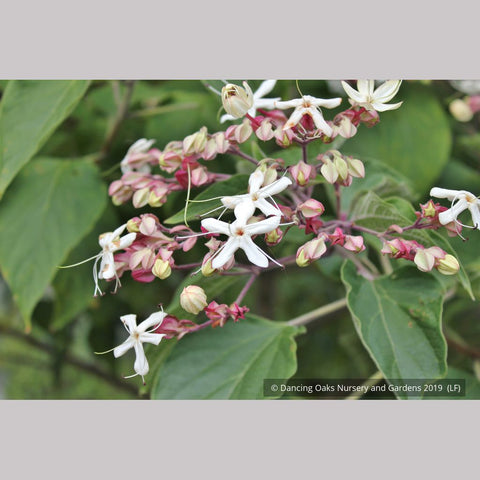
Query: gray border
(247, 39)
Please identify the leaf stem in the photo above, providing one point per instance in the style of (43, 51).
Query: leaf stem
(370, 382)
(318, 313)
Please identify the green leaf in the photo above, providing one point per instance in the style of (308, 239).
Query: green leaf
(30, 111)
(50, 207)
(230, 362)
(398, 319)
(415, 139)
(237, 184)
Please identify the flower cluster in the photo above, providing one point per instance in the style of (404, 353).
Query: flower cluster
(278, 196)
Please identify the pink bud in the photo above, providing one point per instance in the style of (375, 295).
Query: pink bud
(274, 237)
(310, 252)
(265, 131)
(311, 208)
(354, 243)
(302, 173)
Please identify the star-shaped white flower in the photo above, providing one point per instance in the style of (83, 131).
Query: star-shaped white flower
(366, 96)
(258, 101)
(257, 196)
(461, 200)
(138, 335)
(308, 105)
(240, 235)
(110, 242)
(138, 149)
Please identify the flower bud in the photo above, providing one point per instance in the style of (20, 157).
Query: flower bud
(310, 252)
(140, 197)
(193, 299)
(222, 142)
(207, 269)
(311, 208)
(460, 110)
(329, 172)
(265, 131)
(157, 197)
(274, 237)
(161, 269)
(242, 132)
(237, 101)
(302, 172)
(195, 143)
(448, 265)
(133, 225)
(356, 168)
(210, 151)
(346, 128)
(341, 167)
(424, 260)
(354, 243)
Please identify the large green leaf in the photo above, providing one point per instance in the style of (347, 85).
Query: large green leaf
(30, 111)
(230, 362)
(398, 319)
(47, 211)
(415, 139)
(233, 186)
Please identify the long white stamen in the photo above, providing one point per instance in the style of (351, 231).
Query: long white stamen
(82, 262)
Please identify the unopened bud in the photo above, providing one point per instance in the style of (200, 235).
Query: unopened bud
(207, 269)
(448, 265)
(133, 225)
(310, 252)
(140, 197)
(341, 167)
(354, 243)
(424, 260)
(193, 299)
(161, 269)
(237, 101)
(274, 237)
(243, 131)
(329, 172)
(265, 131)
(356, 168)
(302, 172)
(311, 208)
(460, 110)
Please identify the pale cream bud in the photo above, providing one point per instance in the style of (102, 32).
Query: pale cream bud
(193, 299)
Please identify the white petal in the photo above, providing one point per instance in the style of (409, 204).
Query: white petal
(264, 226)
(154, 338)
(254, 253)
(275, 187)
(327, 102)
(265, 88)
(124, 347)
(295, 117)
(475, 211)
(130, 322)
(320, 122)
(226, 117)
(154, 319)
(438, 192)
(267, 208)
(385, 92)
(232, 202)
(225, 253)
(267, 103)
(451, 214)
(381, 107)
(116, 233)
(255, 181)
(244, 211)
(127, 240)
(107, 266)
(352, 93)
(141, 365)
(216, 226)
(365, 87)
(289, 103)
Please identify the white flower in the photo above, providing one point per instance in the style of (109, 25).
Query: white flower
(257, 100)
(110, 242)
(308, 105)
(136, 153)
(257, 196)
(240, 233)
(365, 95)
(137, 336)
(461, 200)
